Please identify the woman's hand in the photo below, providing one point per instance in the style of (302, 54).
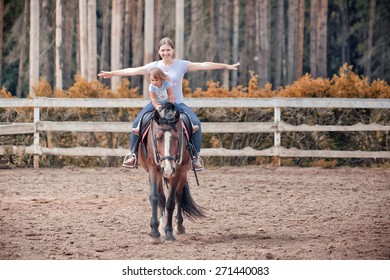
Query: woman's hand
(105, 74)
(233, 66)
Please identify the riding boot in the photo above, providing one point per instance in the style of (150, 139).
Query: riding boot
(130, 161)
(198, 164)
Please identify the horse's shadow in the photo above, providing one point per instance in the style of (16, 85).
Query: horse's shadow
(229, 237)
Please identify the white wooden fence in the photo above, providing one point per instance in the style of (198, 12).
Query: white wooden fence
(276, 127)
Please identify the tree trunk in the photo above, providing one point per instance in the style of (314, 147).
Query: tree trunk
(322, 35)
(138, 42)
(313, 37)
(179, 33)
(116, 39)
(127, 35)
(257, 57)
(104, 56)
(279, 43)
(223, 39)
(58, 77)
(196, 41)
(264, 37)
(210, 39)
(34, 45)
(158, 26)
(92, 44)
(83, 38)
(47, 48)
(236, 35)
(148, 45)
(301, 33)
(345, 52)
(370, 41)
(1, 39)
(248, 52)
(68, 43)
(292, 41)
(384, 54)
(22, 56)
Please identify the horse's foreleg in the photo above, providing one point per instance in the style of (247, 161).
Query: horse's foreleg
(170, 208)
(154, 199)
(180, 229)
(161, 206)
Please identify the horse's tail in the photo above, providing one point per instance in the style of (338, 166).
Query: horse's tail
(189, 207)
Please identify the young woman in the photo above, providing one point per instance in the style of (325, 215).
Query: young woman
(175, 69)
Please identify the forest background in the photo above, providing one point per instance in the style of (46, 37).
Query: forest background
(276, 39)
(297, 48)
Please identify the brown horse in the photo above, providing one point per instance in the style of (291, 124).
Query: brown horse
(166, 155)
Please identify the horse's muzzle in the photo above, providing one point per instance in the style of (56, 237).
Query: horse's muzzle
(168, 167)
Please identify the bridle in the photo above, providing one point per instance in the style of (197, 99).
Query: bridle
(178, 158)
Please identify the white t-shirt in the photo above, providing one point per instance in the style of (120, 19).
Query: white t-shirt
(175, 73)
(161, 92)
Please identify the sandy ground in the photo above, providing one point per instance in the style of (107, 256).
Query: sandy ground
(252, 213)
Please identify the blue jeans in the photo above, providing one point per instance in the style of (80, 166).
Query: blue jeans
(197, 136)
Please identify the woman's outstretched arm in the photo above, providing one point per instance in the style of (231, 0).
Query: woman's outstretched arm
(124, 72)
(196, 66)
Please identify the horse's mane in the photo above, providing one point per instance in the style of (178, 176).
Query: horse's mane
(167, 114)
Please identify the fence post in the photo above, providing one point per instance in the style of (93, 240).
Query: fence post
(277, 134)
(36, 134)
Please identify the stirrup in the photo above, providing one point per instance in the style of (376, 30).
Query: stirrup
(127, 158)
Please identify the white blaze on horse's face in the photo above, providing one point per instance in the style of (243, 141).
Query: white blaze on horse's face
(168, 166)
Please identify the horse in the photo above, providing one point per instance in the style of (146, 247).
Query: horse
(166, 154)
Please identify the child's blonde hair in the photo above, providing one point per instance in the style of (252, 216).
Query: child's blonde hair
(158, 74)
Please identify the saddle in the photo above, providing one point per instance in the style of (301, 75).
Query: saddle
(146, 120)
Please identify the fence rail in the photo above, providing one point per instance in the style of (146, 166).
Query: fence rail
(276, 127)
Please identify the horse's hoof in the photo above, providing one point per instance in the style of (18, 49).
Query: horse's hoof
(170, 238)
(154, 234)
(180, 230)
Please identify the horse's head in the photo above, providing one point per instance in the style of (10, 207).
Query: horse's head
(167, 139)
(167, 114)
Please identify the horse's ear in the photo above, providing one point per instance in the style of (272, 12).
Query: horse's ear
(156, 116)
(177, 116)
(169, 106)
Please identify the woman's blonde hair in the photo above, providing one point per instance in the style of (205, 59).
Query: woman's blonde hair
(158, 74)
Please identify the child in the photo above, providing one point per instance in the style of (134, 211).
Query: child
(160, 90)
